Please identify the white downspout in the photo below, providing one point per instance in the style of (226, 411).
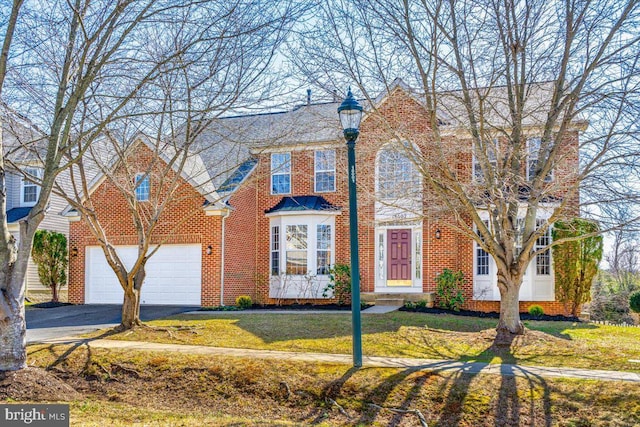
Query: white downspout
(225, 216)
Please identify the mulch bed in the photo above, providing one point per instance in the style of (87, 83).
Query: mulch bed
(490, 315)
(35, 384)
(49, 304)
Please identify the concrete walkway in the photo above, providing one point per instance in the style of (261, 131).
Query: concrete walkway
(376, 309)
(368, 361)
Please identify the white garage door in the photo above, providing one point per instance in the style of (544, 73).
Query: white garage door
(173, 276)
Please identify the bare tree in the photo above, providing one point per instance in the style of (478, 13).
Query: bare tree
(215, 59)
(74, 67)
(508, 89)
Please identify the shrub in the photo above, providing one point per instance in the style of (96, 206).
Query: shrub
(634, 301)
(576, 261)
(49, 252)
(536, 310)
(609, 306)
(339, 284)
(421, 304)
(449, 289)
(244, 302)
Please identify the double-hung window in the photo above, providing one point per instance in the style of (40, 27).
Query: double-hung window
(533, 151)
(296, 249)
(302, 245)
(275, 250)
(482, 257)
(491, 151)
(280, 173)
(323, 248)
(543, 260)
(142, 187)
(30, 190)
(325, 171)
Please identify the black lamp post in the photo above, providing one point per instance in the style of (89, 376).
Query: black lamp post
(350, 112)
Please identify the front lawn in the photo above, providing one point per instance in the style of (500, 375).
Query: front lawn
(403, 334)
(127, 387)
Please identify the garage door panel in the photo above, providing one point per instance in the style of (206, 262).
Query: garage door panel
(173, 276)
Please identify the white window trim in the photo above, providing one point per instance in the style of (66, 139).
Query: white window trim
(316, 170)
(311, 221)
(278, 173)
(24, 183)
(141, 177)
(534, 287)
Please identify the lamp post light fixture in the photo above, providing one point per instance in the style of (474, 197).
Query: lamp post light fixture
(350, 113)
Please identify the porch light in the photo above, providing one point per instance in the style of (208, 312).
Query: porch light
(350, 113)
(438, 234)
(74, 251)
(209, 249)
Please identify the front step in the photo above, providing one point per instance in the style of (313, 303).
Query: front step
(397, 299)
(391, 302)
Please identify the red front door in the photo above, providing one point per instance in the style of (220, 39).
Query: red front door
(399, 257)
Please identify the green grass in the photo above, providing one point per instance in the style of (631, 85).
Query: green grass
(403, 334)
(125, 387)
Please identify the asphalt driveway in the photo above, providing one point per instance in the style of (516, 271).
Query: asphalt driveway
(49, 323)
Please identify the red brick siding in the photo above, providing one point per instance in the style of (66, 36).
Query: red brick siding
(172, 228)
(240, 251)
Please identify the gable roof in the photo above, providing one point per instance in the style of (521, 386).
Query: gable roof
(193, 171)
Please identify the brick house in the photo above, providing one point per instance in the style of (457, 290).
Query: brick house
(277, 222)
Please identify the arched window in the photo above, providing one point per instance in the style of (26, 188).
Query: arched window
(398, 177)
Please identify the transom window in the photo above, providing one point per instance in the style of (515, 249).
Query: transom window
(325, 170)
(397, 175)
(533, 148)
(30, 190)
(280, 173)
(142, 187)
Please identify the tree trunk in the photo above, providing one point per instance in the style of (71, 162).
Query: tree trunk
(54, 292)
(509, 322)
(131, 310)
(13, 345)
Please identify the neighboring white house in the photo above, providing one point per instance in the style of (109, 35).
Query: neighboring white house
(19, 137)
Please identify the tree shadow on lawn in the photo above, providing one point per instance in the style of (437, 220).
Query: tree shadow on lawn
(558, 329)
(75, 345)
(454, 391)
(507, 403)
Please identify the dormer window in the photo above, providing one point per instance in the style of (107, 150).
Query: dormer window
(142, 187)
(30, 190)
